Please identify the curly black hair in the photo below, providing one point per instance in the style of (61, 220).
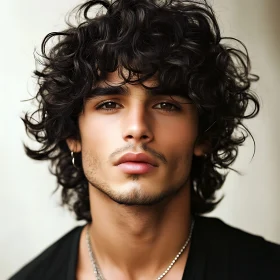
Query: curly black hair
(177, 41)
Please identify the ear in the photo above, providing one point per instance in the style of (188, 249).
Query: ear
(74, 145)
(202, 148)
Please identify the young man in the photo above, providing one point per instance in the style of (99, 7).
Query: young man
(140, 109)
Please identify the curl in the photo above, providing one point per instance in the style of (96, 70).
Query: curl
(180, 43)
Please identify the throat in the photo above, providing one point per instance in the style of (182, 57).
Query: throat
(130, 241)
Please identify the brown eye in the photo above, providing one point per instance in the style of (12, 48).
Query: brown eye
(109, 105)
(166, 106)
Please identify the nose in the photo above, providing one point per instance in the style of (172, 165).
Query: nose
(137, 126)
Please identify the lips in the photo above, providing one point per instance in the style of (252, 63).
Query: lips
(136, 158)
(136, 163)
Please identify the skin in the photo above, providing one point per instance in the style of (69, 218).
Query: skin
(140, 221)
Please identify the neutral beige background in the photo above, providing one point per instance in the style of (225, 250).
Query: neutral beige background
(30, 215)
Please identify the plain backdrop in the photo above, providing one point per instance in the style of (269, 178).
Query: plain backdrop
(31, 216)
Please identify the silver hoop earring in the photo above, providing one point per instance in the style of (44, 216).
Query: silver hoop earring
(73, 159)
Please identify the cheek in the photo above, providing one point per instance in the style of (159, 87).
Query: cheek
(97, 133)
(180, 135)
(180, 162)
(178, 141)
(91, 162)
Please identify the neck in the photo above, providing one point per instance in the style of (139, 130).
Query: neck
(139, 240)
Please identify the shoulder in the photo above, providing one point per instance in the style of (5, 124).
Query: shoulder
(52, 263)
(245, 253)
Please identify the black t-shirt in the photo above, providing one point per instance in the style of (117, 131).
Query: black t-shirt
(217, 252)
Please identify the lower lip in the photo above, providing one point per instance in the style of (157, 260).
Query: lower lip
(136, 167)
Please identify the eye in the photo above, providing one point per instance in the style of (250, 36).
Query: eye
(108, 106)
(166, 106)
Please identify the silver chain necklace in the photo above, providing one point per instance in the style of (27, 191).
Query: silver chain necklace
(97, 271)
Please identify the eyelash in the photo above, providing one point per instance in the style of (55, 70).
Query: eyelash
(99, 107)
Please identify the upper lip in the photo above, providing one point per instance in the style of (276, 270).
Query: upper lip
(131, 157)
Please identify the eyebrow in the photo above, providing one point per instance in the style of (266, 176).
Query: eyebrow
(123, 90)
(114, 90)
(110, 90)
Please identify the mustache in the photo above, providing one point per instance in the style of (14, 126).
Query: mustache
(133, 149)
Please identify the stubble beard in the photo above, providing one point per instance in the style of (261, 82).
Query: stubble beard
(135, 197)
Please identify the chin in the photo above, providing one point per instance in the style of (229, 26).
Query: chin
(136, 194)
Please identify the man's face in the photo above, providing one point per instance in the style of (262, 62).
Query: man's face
(159, 127)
